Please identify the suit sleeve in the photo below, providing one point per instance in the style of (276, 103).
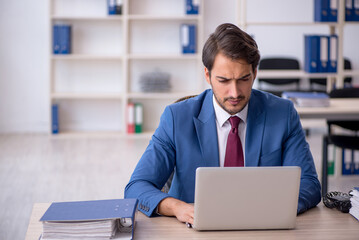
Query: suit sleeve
(297, 153)
(154, 168)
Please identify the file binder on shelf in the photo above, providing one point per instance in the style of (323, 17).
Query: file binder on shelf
(105, 219)
(61, 39)
(311, 53)
(130, 118)
(114, 7)
(356, 162)
(188, 38)
(192, 6)
(321, 10)
(138, 117)
(55, 118)
(349, 10)
(333, 53)
(333, 11)
(347, 162)
(326, 10)
(324, 52)
(356, 10)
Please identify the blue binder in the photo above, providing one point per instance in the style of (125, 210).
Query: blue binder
(333, 11)
(349, 10)
(321, 10)
(347, 162)
(324, 53)
(188, 38)
(311, 53)
(192, 6)
(56, 39)
(114, 7)
(61, 39)
(55, 118)
(356, 10)
(91, 211)
(333, 53)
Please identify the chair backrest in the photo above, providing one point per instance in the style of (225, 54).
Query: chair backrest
(279, 64)
(345, 93)
(323, 81)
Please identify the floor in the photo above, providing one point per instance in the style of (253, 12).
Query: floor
(40, 168)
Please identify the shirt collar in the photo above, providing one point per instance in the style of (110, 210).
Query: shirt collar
(222, 116)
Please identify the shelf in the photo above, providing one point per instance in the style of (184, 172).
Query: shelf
(164, 56)
(97, 96)
(291, 73)
(349, 73)
(331, 24)
(141, 95)
(85, 57)
(164, 17)
(88, 18)
(102, 134)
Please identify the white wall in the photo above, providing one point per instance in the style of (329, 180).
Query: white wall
(24, 49)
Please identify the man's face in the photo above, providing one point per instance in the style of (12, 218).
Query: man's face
(231, 82)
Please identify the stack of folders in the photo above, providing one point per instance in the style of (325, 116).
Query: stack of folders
(156, 81)
(307, 99)
(320, 53)
(354, 210)
(101, 219)
(134, 117)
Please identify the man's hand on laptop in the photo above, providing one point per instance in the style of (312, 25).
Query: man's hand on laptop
(184, 212)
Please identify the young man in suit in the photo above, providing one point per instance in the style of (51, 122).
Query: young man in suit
(193, 133)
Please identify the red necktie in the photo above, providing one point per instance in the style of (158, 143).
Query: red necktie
(234, 153)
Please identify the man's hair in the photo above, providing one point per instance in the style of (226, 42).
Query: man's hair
(234, 43)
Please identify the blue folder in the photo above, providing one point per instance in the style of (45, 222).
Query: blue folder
(356, 10)
(333, 53)
(90, 210)
(321, 10)
(333, 10)
(188, 38)
(311, 53)
(192, 6)
(55, 118)
(349, 10)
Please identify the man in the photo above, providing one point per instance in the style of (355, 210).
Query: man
(193, 133)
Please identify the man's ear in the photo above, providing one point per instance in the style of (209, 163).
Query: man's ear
(254, 75)
(207, 75)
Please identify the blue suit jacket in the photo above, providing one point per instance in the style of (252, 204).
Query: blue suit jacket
(186, 139)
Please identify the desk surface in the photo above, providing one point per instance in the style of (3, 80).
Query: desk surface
(339, 109)
(316, 223)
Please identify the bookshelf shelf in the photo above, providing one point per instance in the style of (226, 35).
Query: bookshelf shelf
(114, 96)
(87, 18)
(333, 28)
(85, 57)
(109, 55)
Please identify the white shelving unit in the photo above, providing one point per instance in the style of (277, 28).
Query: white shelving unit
(94, 84)
(333, 28)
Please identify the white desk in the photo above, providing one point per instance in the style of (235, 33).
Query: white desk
(339, 109)
(317, 223)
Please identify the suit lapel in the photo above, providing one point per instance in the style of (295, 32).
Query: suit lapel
(254, 134)
(206, 131)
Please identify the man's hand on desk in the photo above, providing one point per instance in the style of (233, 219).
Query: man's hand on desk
(184, 212)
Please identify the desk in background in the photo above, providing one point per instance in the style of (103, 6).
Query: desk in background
(317, 223)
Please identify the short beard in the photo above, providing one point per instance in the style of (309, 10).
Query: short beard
(227, 110)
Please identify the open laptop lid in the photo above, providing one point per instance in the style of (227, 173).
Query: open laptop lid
(236, 198)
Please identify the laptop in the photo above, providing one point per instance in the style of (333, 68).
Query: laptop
(243, 198)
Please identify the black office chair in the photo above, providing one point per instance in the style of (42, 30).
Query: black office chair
(279, 64)
(339, 140)
(323, 81)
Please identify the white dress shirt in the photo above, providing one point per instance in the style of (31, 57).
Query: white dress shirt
(224, 126)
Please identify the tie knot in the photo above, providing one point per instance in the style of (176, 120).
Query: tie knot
(234, 121)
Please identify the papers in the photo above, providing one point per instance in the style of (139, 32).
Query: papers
(354, 210)
(308, 99)
(102, 219)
